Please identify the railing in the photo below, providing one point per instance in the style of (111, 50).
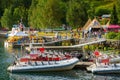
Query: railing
(88, 41)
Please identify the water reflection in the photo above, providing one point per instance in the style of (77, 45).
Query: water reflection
(107, 77)
(62, 75)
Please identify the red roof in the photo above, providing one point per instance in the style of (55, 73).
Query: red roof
(114, 27)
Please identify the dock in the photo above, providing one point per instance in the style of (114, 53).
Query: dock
(50, 43)
(3, 33)
(83, 65)
(90, 41)
(54, 47)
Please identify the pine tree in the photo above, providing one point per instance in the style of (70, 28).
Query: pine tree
(6, 19)
(114, 18)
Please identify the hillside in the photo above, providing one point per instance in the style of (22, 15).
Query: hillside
(52, 13)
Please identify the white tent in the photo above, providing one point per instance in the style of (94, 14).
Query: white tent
(18, 34)
(21, 34)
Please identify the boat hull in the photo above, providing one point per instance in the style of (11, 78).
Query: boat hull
(57, 66)
(106, 70)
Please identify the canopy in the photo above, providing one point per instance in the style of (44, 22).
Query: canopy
(18, 34)
(114, 27)
(21, 34)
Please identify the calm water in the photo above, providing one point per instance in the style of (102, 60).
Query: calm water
(6, 59)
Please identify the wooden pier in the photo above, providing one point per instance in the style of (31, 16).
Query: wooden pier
(3, 33)
(51, 43)
(83, 65)
(33, 45)
(55, 48)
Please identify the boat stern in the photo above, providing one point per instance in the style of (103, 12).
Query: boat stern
(10, 68)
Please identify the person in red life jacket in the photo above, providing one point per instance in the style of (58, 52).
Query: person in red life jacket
(106, 61)
(97, 53)
(42, 50)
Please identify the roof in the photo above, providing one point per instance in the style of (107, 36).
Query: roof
(87, 23)
(94, 24)
(114, 27)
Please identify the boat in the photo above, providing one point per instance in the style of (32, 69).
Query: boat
(106, 69)
(17, 30)
(104, 66)
(45, 61)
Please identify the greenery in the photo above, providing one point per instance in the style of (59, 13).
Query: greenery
(114, 18)
(118, 36)
(51, 13)
(113, 35)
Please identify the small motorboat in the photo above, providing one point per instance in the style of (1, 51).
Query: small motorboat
(45, 61)
(104, 65)
(110, 69)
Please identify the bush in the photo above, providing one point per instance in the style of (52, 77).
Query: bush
(118, 36)
(111, 35)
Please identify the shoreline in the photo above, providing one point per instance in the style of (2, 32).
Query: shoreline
(3, 33)
(107, 43)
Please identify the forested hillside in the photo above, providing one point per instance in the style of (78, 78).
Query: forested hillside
(54, 13)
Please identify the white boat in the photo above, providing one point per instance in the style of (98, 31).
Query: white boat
(44, 66)
(105, 65)
(113, 68)
(115, 60)
(37, 63)
(16, 31)
(20, 33)
(103, 68)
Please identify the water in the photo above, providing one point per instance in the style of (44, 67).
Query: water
(6, 59)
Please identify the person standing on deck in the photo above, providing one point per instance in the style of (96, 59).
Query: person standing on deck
(21, 26)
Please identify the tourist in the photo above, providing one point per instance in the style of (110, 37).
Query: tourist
(21, 26)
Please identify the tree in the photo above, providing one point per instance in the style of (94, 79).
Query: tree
(91, 12)
(35, 11)
(118, 9)
(18, 9)
(76, 13)
(47, 13)
(6, 19)
(101, 11)
(114, 18)
(21, 7)
(54, 12)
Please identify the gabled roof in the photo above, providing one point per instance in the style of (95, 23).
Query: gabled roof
(94, 24)
(86, 24)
